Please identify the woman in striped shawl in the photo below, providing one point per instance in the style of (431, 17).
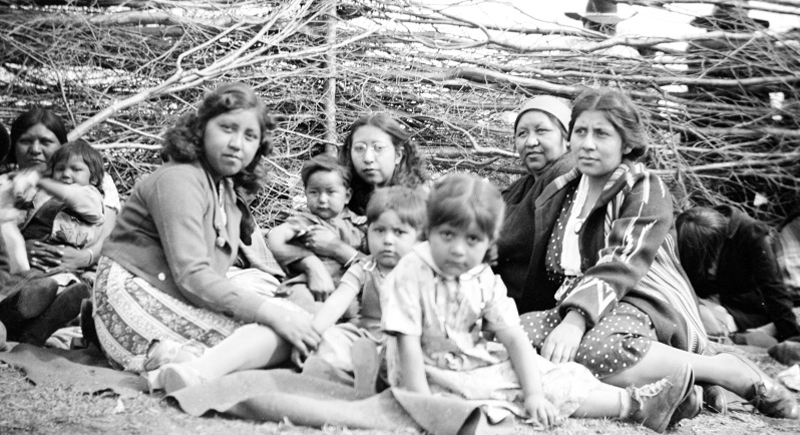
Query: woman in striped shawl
(605, 269)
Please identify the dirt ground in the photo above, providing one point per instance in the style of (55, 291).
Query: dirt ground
(27, 409)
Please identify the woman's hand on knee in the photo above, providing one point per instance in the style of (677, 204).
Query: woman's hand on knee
(563, 342)
(296, 328)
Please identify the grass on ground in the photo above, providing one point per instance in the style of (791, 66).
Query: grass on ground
(28, 409)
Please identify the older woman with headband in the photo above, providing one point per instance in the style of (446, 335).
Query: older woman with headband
(607, 266)
(540, 139)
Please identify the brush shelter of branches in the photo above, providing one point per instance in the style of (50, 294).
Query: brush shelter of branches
(723, 111)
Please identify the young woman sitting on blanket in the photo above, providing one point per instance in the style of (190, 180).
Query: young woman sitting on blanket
(606, 266)
(162, 273)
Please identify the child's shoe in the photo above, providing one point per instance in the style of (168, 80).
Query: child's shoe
(654, 404)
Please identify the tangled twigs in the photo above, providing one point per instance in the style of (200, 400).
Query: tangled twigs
(724, 114)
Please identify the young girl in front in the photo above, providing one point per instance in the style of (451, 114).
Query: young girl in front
(442, 302)
(379, 152)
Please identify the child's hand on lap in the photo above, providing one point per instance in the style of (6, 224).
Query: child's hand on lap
(541, 410)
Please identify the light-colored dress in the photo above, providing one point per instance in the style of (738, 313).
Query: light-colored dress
(452, 315)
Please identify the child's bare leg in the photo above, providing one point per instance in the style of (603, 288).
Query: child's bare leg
(249, 347)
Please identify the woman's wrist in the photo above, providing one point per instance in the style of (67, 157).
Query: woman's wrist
(575, 318)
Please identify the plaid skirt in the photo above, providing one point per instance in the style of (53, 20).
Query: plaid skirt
(129, 314)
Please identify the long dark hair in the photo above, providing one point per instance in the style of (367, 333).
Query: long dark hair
(410, 172)
(34, 116)
(183, 142)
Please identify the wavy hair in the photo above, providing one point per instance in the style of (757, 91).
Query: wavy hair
(183, 142)
(621, 112)
(30, 118)
(410, 172)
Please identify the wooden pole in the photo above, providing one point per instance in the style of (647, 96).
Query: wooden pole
(329, 93)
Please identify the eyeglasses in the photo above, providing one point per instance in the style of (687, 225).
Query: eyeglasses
(377, 148)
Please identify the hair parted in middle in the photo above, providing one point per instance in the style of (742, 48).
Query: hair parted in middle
(409, 204)
(34, 116)
(89, 155)
(461, 199)
(326, 163)
(621, 112)
(183, 142)
(409, 172)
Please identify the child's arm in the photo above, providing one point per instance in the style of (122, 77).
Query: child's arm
(325, 242)
(80, 199)
(411, 364)
(523, 359)
(319, 279)
(334, 308)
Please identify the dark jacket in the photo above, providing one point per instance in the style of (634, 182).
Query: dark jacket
(748, 279)
(515, 244)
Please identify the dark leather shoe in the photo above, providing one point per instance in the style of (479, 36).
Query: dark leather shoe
(769, 397)
(714, 399)
(655, 404)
